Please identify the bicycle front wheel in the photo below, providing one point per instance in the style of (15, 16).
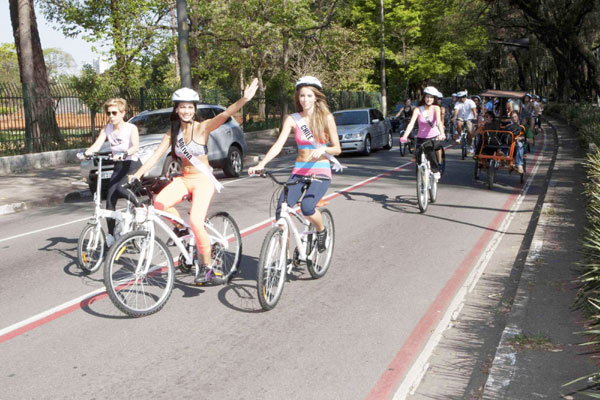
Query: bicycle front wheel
(139, 274)
(226, 259)
(422, 198)
(91, 247)
(271, 269)
(319, 264)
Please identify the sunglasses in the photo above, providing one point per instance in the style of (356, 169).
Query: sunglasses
(113, 113)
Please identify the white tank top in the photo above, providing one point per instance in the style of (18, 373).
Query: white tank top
(120, 141)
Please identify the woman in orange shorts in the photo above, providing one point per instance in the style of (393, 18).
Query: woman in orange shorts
(188, 140)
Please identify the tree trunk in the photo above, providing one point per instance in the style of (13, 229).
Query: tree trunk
(42, 132)
(262, 115)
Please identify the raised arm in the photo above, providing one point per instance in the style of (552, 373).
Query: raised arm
(277, 146)
(214, 123)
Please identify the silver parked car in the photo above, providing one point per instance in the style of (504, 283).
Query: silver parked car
(363, 129)
(226, 147)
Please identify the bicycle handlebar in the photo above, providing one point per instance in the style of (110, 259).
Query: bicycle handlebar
(267, 174)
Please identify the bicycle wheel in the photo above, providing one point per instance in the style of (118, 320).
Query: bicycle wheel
(463, 147)
(319, 264)
(134, 289)
(91, 247)
(422, 189)
(524, 170)
(477, 170)
(432, 189)
(226, 260)
(402, 149)
(270, 275)
(491, 174)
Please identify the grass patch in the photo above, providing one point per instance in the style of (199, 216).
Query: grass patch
(536, 341)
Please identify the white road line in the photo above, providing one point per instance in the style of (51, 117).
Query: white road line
(88, 217)
(84, 297)
(417, 371)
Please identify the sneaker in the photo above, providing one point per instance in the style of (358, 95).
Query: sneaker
(321, 238)
(110, 240)
(458, 140)
(470, 152)
(202, 272)
(520, 169)
(437, 176)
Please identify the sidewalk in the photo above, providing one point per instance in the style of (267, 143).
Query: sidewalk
(64, 184)
(538, 351)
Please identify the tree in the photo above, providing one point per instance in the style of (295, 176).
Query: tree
(131, 27)
(9, 64)
(568, 29)
(59, 62)
(92, 89)
(40, 120)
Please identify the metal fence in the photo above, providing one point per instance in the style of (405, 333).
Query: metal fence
(76, 126)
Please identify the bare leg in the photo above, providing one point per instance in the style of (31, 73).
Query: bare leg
(317, 220)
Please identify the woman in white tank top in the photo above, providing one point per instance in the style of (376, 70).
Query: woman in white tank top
(124, 144)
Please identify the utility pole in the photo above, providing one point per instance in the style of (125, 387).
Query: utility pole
(383, 84)
(183, 33)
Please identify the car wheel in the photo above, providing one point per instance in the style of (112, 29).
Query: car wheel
(388, 145)
(367, 146)
(234, 163)
(172, 166)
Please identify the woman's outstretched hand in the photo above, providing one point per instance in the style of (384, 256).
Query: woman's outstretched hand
(250, 89)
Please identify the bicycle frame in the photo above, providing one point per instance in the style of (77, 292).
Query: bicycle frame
(290, 227)
(152, 217)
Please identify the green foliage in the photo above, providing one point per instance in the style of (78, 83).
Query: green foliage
(59, 64)
(9, 64)
(93, 89)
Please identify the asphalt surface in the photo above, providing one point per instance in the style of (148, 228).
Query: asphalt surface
(356, 333)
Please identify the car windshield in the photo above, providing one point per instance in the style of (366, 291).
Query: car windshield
(150, 124)
(351, 117)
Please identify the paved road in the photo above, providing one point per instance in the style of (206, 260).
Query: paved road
(351, 335)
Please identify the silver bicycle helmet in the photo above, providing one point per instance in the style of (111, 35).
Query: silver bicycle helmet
(185, 95)
(309, 81)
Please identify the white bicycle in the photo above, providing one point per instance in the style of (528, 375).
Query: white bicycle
(426, 182)
(91, 244)
(273, 265)
(139, 271)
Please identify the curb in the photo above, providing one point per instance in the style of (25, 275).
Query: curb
(504, 367)
(48, 201)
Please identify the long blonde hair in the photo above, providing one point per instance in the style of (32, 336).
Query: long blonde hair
(318, 121)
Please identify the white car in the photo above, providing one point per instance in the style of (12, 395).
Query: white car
(226, 147)
(362, 130)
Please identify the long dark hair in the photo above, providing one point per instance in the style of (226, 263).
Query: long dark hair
(176, 125)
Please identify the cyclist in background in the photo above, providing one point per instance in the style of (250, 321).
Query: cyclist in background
(539, 109)
(187, 139)
(527, 114)
(465, 110)
(431, 129)
(314, 128)
(123, 138)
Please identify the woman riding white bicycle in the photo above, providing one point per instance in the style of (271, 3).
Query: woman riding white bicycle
(124, 144)
(189, 144)
(314, 127)
(430, 127)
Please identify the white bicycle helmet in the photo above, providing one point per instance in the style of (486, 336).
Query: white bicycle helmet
(309, 81)
(439, 94)
(453, 94)
(476, 97)
(185, 95)
(430, 90)
(528, 95)
(462, 93)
